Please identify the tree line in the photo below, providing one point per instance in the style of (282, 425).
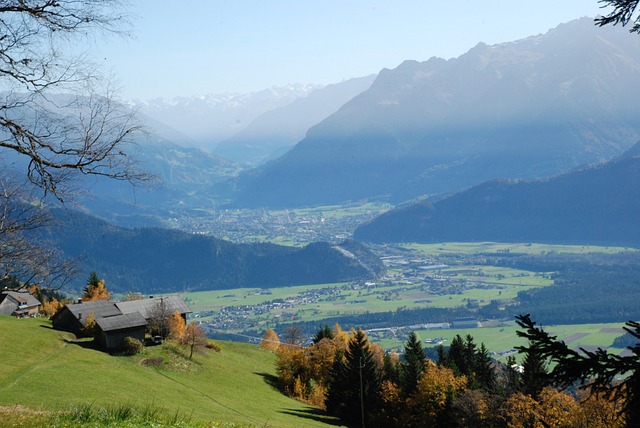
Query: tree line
(551, 386)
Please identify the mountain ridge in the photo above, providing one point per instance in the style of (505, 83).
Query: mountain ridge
(524, 109)
(169, 260)
(596, 204)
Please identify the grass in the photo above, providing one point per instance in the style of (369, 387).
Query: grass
(521, 248)
(484, 283)
(502, 338)
(46, 369)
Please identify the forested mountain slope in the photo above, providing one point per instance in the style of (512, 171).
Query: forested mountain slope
(161, 260)
(598, 204)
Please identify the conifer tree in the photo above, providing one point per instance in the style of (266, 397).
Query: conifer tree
(353, 392)
(324, 333)
(483, 368)
(95, 289)
(596, 370)
(534, 375)
(414, 364)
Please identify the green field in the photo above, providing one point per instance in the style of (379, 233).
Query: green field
(44, 369)
(316, 302)
(499, 340)
(444, 275)
(521, 248)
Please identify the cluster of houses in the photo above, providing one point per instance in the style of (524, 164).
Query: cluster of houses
(113, 320)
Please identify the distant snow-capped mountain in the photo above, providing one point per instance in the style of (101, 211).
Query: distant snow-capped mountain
(206, 120)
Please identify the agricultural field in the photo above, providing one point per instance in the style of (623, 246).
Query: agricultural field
(443, 276)
(520, 248)
(501, 339)
(442, 288)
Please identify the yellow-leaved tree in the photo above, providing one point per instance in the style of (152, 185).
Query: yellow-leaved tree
(51, 307)
(435, 390)
(95, 289)
(177, 327)
(270, 340)
(195, 338)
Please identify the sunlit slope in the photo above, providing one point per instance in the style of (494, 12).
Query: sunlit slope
(46, 369)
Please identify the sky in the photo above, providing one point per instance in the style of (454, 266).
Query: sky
(199, 47)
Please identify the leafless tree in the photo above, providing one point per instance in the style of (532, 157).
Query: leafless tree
(33, 262)
(59, 120)
(58, 137)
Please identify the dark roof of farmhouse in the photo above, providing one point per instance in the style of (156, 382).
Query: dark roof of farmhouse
(167, 304)
(97, 308)
(121, 322)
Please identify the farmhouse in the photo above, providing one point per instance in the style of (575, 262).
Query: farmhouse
(115, 321)
(18, 303)
(74, 317)
(155, 307)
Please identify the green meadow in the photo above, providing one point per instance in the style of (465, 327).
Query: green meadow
(521, 248)
(502, 338)
(49, 371)
(482, 284)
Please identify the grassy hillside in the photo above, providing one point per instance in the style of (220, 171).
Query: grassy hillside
(45, 369)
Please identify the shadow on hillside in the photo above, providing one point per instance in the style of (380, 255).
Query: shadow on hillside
(83, 343)
(269, 379)
(313, 414)
(48, 327)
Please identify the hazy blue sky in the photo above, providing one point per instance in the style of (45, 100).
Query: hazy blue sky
(200, 47)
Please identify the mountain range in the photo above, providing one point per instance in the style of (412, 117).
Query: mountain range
(526, 109)
(598, 204)
(204, 121)
(276, 131)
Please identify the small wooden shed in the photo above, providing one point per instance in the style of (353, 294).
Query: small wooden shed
(113, 330)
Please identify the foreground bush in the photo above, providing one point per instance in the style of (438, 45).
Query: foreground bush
(131, 346)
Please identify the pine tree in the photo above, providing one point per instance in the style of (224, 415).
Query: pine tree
(534, 375)
(353, 392)
(324, 333)
(95, 289)
(484, 372)
(455, 355)
(414, 364)
(595, 370)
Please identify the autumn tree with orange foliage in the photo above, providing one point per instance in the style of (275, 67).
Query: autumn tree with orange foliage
(95, 289)
(51, 307)
(270, 340)
(556, 409)
(435, 390)
(90, 325)
(177, 327)
(304, 372)
(194, 338)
